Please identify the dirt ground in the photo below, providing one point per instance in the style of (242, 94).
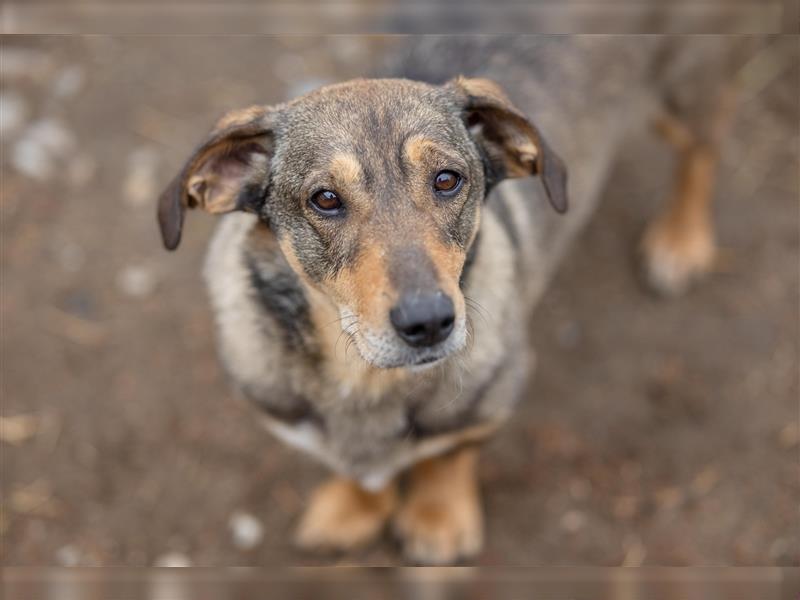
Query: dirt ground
(656, 432)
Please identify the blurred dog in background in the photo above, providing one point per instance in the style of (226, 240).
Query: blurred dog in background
(372, 280)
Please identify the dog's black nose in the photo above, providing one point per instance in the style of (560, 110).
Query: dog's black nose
(423, 319)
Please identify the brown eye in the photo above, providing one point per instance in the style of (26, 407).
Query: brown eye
(447, 183)
(326, 202)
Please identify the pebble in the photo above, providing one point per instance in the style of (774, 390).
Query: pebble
(140, 186)
(68, 556)
(40, 146)
(573, 520)
(246, 530)
(31, 159)
(17, 429)
(69, 81)
(789, 436)
(173, 559)
(669, 498)
(136, 281)
(13, 112)
(705, 481)
(635, 552)
(52, 134)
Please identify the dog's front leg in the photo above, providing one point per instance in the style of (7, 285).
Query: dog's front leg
(441, 520)
(341, 515)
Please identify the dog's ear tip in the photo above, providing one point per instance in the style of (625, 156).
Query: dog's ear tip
(170, 234)
(559, 204)
(557, 194)
(170, 214)
(172, 242)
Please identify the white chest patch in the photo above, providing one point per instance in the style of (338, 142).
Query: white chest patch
(303, 436)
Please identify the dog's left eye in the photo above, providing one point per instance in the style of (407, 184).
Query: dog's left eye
(447, 183)
(326, 202)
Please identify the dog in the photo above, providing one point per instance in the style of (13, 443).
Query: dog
(385, 241)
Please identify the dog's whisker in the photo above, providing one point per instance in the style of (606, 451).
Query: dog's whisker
(479, 309)
(341, 319)
(352, 331)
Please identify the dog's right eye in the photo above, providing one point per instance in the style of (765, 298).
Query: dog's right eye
(326, 202)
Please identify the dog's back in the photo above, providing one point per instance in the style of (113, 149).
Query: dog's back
(585, 93)
(582, 92)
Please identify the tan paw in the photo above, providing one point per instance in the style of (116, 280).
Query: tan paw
(674, 257)
(437, 533)
(342, 516)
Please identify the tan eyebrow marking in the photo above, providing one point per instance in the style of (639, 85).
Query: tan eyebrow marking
(346, 170)
(417, 146)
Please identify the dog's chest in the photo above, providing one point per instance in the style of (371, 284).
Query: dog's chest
(371, 438)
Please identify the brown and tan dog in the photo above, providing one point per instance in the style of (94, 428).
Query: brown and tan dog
(372, 295)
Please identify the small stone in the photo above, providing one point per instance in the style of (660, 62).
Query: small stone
(705, 481)
(573, 520)
(18, 429)
(780, 552)
(246, 530)
(136, 281)
(13, 112)
(635, 552)
(31, 159)
(41, 144)
(53, 135)
(669, 498)
(173, 559)
(35, 499)
(140, 186)
(69, 81)
(789, 436)
(68, 556)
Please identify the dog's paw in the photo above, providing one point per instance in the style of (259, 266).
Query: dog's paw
(436, 533)
(341, 517)
(674, 257)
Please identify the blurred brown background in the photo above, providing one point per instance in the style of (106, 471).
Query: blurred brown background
(656, 432)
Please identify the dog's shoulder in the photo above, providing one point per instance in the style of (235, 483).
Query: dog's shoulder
(265, 330)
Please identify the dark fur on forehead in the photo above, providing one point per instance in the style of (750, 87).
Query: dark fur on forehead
(370, 120)
(368, 114)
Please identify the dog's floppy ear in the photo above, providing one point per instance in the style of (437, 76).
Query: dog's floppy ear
(228, 171)
(511, 145)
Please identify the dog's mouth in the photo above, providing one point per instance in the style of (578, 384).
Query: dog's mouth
(386, 351)
(427, 363)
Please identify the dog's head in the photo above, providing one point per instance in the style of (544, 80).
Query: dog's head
(374, 190)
